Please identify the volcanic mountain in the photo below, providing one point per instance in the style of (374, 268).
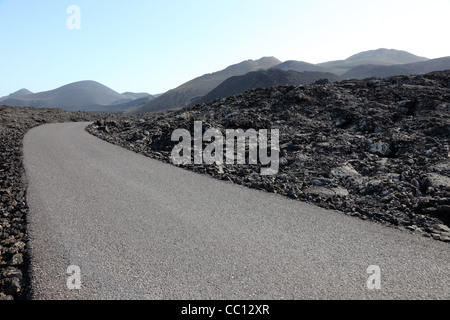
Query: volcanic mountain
(21, 92)
(265, 78)
(198, 87)
(379, 71)
(78, 96)
(384, 57)
(300, 66)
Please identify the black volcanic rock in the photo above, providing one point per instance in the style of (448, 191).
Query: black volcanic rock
(377, 149)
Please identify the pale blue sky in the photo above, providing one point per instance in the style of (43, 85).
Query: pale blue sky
(155, 45)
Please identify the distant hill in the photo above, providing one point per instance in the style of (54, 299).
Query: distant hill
(266, 78)
(368, 71)
(198, 87)
(386, 57)
(75, 96)
(78, 96)
(300, 66)
(249, 74)
(363, 64)
(120, 107)
(382, 56)
(140, 95)
(21, 92)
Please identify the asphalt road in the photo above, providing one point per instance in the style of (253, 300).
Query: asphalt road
(140, 229)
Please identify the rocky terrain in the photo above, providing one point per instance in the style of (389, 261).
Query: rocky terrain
(377, 149)
(14, 123)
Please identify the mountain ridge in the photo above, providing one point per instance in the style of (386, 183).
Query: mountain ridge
(176, 98)
(265, 78)
(89, 95)
(85, 95)
(380, 71)
(300, 66)
(19, 93)
(200, 86)
(380, 56)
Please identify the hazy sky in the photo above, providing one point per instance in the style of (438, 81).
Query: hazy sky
(155, 45)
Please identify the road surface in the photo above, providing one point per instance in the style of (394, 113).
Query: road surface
(129, 227)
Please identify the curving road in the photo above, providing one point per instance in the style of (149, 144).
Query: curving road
(141, 229)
